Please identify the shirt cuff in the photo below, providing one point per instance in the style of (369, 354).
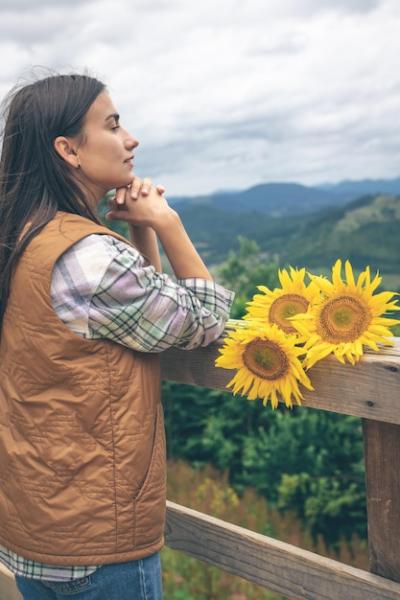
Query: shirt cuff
(211, 294)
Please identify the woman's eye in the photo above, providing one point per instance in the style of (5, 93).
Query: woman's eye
(116, 127)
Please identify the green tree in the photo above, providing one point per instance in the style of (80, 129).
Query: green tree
(243, 271)
(305, 461)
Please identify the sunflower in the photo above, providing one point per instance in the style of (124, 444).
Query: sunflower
(278, 305)
(267, 361)
(346, 316)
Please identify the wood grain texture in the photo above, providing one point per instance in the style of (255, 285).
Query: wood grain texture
(370, 389)
(382, 467)
(291, 571)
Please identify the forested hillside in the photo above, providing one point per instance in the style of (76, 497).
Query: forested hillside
(367, 231)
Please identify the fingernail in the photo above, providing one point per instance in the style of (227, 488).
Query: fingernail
(134, 195)
(120, 200)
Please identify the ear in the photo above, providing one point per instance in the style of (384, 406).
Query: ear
(66, 150)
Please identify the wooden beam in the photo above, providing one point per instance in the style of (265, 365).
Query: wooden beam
(370, 389)
(272, 564)
(382, 470)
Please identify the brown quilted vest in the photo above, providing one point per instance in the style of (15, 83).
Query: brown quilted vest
(82, 442)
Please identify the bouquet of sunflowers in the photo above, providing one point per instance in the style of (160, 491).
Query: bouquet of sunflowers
(311, 321)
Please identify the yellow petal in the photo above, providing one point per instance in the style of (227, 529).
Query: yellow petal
(374, 284)
(384, 296)
(361, 278)
(284, 278)
(349, 274)
(263, 288)
(336, 278)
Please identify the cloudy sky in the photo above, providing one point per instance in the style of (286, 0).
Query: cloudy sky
(225, 94)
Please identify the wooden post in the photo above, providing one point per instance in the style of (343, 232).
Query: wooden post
(382, 466)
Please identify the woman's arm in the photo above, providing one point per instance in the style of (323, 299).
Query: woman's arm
(182, 255)
(143, 237)
(145, 207)
(145, 240)
(132, 304)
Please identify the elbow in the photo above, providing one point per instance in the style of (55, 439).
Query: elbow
(204, 335)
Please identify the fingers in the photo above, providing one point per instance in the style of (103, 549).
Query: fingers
(140, 187)
(112, 202)
(120, 196)
(146, 186)
(117, 202)
(120, 214)
(135, 187)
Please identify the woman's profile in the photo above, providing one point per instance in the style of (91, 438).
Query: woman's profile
(84, 316)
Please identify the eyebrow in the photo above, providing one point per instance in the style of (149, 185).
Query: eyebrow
(113, 116)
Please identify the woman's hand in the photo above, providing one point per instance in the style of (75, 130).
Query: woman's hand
(139, 204)
(134, 189)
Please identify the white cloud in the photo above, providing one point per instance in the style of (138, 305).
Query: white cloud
(229, 94)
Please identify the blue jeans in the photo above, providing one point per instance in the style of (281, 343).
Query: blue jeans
(133, 580)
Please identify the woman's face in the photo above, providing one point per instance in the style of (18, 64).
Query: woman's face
(107, 146)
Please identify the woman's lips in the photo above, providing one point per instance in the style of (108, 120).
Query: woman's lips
(129, 162)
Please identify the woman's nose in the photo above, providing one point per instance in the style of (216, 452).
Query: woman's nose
(132, 143)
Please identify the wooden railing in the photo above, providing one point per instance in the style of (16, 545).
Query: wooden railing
(371, 391)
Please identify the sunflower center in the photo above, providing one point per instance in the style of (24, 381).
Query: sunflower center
(285, 306)
(343, 319)
(265, 359)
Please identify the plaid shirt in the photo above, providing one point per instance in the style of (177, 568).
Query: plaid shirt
(104, 288)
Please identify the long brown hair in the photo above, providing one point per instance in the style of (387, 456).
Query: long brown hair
(35, 182)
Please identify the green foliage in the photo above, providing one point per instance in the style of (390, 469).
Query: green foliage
(243, 271)
(306, 461)
(365, 231)
(120, 227)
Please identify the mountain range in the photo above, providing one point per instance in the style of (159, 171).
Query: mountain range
(301, 226)
(280, 199)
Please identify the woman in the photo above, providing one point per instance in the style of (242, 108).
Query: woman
(84, 314)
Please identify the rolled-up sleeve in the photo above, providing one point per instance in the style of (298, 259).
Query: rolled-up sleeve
(149, 311)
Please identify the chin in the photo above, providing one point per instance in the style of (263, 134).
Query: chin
(120, 182)
(127, 180)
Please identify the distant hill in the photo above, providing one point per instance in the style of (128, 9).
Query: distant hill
(366, 230)
(276, 199)
(354, 189)
(287, 199)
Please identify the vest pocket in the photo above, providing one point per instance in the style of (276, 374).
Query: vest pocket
(157, 460)
(149, 503)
